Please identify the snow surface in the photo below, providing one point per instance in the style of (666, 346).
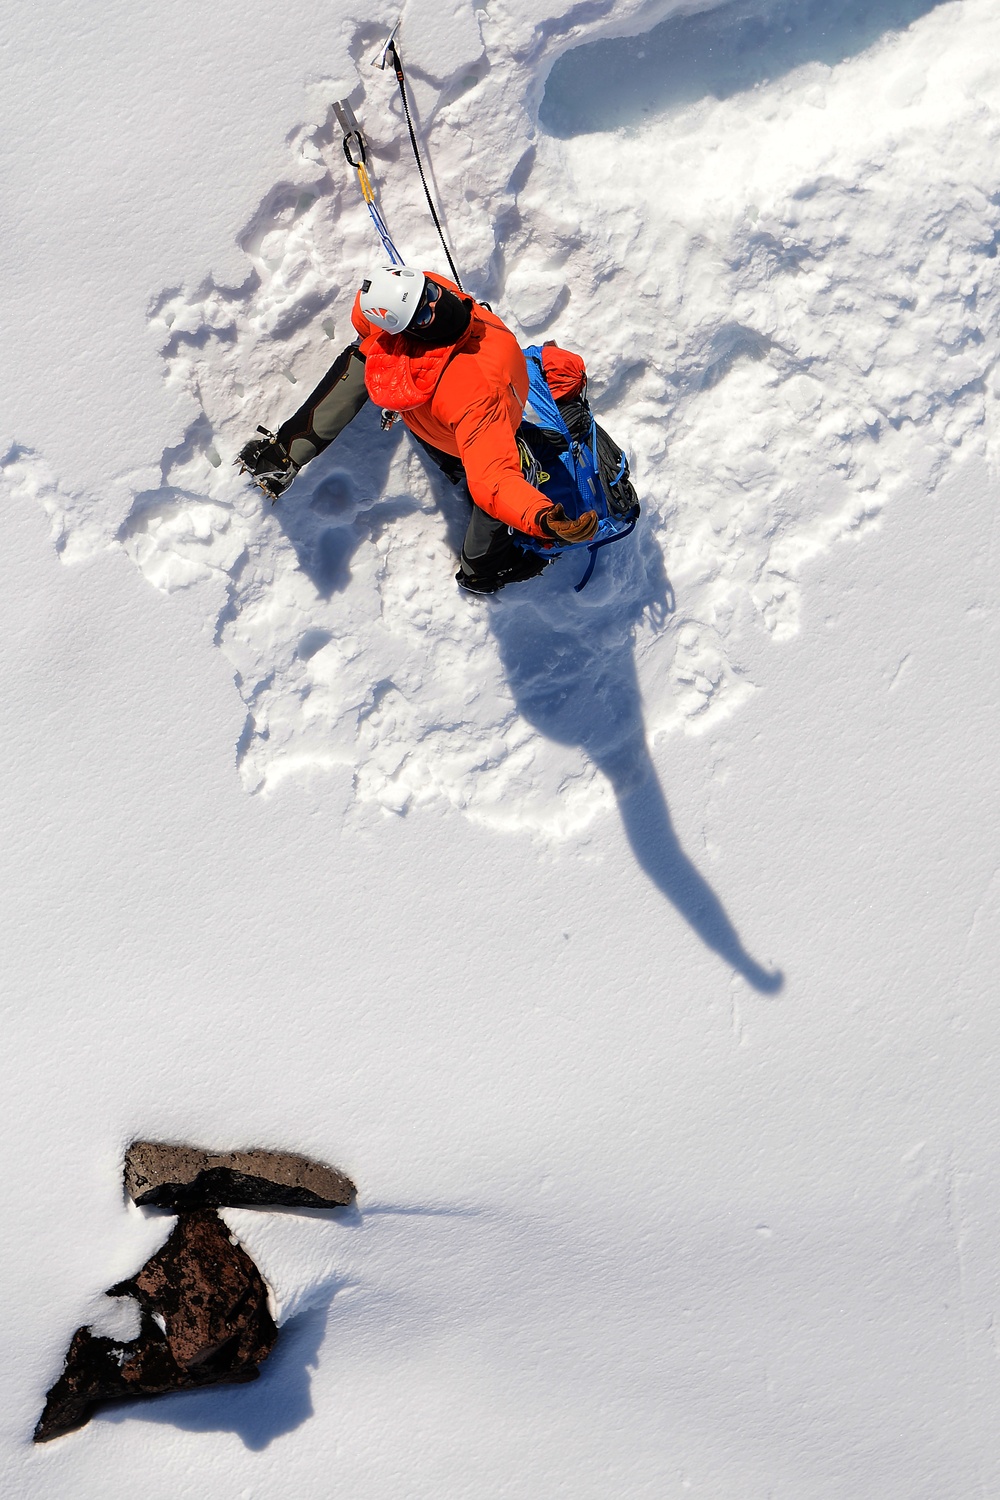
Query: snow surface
(632, 950)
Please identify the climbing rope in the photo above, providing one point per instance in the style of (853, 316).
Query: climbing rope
(390, 53)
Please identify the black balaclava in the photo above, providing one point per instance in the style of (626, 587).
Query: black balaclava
(452, 316)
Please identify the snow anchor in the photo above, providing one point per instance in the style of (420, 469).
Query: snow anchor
(390, 54)
(356, 151)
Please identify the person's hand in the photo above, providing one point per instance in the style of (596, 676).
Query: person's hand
(557, 525)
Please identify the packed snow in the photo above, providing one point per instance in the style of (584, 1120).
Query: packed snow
(632, 949)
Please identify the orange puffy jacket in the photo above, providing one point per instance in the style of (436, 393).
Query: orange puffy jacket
(466, 399)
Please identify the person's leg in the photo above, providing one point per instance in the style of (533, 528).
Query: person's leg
(327, 410)
(488, 545)
(491, 557)
(274, 460)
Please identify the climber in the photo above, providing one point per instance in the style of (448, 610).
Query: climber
(456, 375)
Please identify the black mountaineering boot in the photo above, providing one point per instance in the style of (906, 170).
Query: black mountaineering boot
(527, 565)
(268, 464)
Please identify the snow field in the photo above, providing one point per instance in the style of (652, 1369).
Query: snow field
(625, 1232)
(631, 1221)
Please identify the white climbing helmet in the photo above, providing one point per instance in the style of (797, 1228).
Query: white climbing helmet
(391, 295)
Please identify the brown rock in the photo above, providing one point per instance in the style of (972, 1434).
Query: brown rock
(204, 1321)
(181, 1177)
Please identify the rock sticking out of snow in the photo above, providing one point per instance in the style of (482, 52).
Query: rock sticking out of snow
(204, 1321)
(182, 1177)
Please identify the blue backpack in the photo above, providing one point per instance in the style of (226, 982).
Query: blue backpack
(588, 472)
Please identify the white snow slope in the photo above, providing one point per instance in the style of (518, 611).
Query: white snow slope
(632, 949)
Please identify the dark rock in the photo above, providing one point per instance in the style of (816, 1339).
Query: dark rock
(181, 1177)
(204, 1321)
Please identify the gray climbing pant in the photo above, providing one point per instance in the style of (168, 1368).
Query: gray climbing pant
(489, 548)
(325, 413)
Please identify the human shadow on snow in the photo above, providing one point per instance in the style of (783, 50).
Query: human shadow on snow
(572, 673)
(569, 660)
(621, 81)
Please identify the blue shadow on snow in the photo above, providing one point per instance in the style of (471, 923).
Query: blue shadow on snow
(571, 669)
(621, 81)
(568, 660)
(264, 1409)
(337, 507)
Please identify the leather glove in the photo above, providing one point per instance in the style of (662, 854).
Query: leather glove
(556, 524)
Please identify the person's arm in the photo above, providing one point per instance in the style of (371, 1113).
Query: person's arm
(325, 413)
(492, 463)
